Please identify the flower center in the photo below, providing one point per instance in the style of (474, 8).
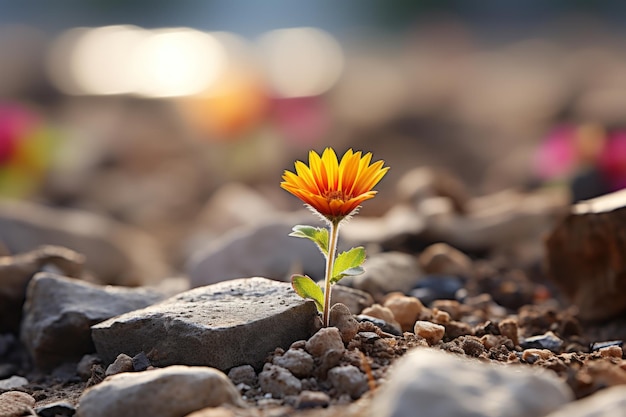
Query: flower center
(336, 195)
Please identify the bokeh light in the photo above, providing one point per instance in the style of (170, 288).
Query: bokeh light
(300, 62)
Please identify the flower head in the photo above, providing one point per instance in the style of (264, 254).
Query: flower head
(332, 188)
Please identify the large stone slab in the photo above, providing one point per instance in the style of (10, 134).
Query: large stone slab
(59, 311)
(428, 382)
(223, 325)
(169, 392)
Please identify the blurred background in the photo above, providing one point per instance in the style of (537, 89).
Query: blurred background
(142, 110)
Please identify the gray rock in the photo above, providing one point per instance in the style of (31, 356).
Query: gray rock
(264, 250)
(169, 392)
(16, 271)
(609, 402)
(115, 253)
(123, 363)
(13, 382)
(387, 272)
(428, 382)
(326, 339)
(278, 381)
(59, 311)
(296, 361)
(355, 300)
(204, 325)
(243, 374)
(348, 380)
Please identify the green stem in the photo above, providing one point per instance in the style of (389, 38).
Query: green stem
(330, 261)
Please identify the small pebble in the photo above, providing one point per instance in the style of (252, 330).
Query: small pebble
(380, 312)
(278, 381)
(508, 328)
(406, 310)
(343, 319)
(440, 317)
(140, 362)
(455, 329)
(312, 399)
(123, 363)
(348, 380)
(13, 382)
(243, 374)
(433, 333)
(297, 361)
(452, 307)
(533, 355)
(324, 340)
(472, 346)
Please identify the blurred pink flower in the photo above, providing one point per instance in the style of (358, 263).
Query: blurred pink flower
(556, 156)
(613, 160)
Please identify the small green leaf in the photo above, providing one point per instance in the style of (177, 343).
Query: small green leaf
(319, 235)
(348, 263)
(305, 287)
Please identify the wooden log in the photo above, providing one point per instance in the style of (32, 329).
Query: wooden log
(586, 256)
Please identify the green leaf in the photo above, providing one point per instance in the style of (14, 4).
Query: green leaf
(305, 287)
(319, 235)
(348, 264)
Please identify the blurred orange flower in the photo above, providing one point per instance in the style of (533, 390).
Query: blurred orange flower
(332, 188)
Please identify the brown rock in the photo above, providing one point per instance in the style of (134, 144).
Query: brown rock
(443, 259)
(585, 256)
(382, 313)
(406, 310)
(508, 328)
(432, 332)
(16, 404)
(344, 320)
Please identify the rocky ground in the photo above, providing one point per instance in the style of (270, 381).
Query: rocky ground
(96, 323)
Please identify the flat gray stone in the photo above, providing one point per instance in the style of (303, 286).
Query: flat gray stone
(59, 312)
(174, 391)
(429, 382)
(223, 325)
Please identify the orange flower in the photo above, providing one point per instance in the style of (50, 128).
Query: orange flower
(332, 188)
